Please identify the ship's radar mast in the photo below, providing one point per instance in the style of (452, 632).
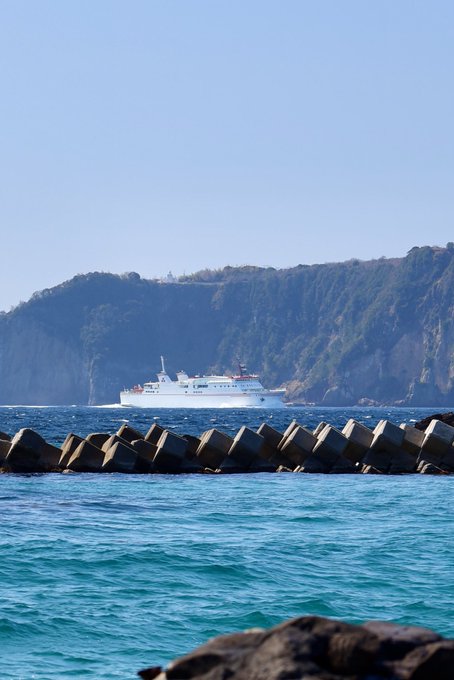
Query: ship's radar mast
(242, 368)
(162, 375)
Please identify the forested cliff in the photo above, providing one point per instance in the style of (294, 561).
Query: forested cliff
(338, 334)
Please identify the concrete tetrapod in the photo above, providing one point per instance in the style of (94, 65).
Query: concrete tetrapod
(154, 433)
(123, 458)
(413, 439)
(298, 445)
(70, 444)
(86, 458)
(129, 433)
(213, 448)
(170, 452)
(359, 440)
(245, 449)
(25, 451)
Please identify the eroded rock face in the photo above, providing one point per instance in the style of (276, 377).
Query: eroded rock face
(316, 648)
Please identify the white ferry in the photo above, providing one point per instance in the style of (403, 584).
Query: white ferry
(207, 391)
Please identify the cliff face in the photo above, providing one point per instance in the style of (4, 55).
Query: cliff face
(338, 334)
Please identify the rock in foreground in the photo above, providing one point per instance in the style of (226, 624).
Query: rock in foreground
(316, 648)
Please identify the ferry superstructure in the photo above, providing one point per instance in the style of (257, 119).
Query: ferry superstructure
(206, 391)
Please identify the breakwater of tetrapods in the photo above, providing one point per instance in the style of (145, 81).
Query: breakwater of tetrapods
(356, 449)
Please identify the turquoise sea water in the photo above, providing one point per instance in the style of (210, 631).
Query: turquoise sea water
(105, 574)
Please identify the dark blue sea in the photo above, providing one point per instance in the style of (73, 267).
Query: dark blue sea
(103, 575)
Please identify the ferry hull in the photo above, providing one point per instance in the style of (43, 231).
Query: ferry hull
(201, 401)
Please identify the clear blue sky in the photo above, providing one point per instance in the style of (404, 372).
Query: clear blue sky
(182, 134)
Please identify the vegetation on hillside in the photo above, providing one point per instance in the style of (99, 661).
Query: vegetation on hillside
(380, 331)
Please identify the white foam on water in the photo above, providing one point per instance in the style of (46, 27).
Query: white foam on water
(32, 406)
(108, 406)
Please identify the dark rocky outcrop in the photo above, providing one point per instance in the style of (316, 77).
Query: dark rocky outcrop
(447, 418)
(338, 334)
(316, 648)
